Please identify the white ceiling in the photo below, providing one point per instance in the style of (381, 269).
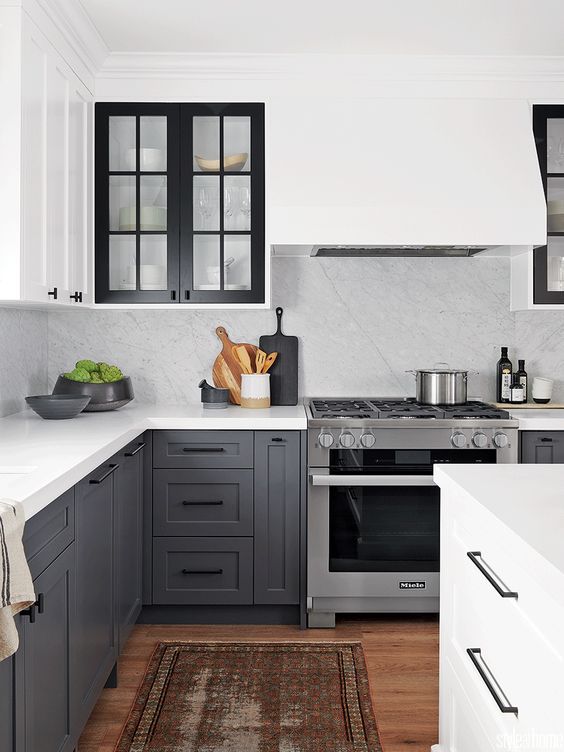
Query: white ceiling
(394, 27)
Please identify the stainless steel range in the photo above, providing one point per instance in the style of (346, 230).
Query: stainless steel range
(373, 508)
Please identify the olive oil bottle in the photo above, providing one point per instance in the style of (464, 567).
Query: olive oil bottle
(503, 381)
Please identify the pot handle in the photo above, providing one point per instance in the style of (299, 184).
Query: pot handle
(412, 372)
(442, 364)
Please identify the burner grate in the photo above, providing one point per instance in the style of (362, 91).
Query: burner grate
(401, 408)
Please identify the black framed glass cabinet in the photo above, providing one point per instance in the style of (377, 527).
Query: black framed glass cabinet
(548, 260)
(179, 203)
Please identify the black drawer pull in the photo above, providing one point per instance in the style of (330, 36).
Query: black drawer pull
(490, 575)
(547, 439)
(136, 451)
(211, 503)
(491, 682)
(203, 449)
(278, 439)
(103, 477)
(40, 603)
(38, 606)
(202, 571)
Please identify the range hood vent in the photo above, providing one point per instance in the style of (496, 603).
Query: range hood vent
(403, 251)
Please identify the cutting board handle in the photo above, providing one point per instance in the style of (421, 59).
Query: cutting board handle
(224, 337)
(279, 312)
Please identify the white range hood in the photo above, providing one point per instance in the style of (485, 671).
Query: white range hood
(402, 177)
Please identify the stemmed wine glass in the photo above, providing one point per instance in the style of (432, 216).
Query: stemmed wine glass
(245, 202)
(228, 203)
(205, 205)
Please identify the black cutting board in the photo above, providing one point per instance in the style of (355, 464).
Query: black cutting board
(284, 372)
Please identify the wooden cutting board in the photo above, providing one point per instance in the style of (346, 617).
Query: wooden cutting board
(530, 406)
(284, 372)
(226, 369)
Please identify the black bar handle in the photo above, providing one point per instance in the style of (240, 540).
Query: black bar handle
(136, 451)
(491, 682)
(475, 557)
(29, 611)
(278, 439)
(546, 439)
(77, 297)
(103, 477)
(53, 293)
(211, 503)
(202, 571)
(40, 603)
(203, 449)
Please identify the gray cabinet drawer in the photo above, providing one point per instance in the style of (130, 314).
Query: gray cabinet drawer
(49, 532)
(542, 447)
(203, 571)
(203, 449)
(203, 502)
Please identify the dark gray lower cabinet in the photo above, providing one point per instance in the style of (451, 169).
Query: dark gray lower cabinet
(7, 705)
(542, 447)
(277, 518)
(46, 647)
(129, 537)
(96, 632)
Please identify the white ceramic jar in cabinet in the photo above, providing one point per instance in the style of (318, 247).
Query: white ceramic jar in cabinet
(46, 145)
(503, 606)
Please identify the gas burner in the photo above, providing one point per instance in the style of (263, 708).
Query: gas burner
(399, 408)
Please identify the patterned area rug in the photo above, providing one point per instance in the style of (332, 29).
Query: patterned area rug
(253, 697)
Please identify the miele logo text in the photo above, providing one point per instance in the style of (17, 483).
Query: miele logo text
(412, 585)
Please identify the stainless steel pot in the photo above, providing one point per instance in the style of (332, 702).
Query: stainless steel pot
(441, 385)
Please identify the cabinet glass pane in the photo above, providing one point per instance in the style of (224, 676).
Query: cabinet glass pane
(153, 202)
(122, 143)
(206, 262)
(122, 262)
(152, 135)
(237, 143)
(555, 205)
(122, 203)
(206, 202)
(237, 202)
(153, 269)
(555, 144)
(555, 266)
(205, 144)
(237, 255)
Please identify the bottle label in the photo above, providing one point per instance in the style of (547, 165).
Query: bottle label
(506, 385)
(523, 382)
(517, 394)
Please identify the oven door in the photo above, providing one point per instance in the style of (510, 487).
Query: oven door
(373, 535)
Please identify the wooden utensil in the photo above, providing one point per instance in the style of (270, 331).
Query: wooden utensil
(270, 359)
(243, 357)
(261, 357)
(284, 376)
(227, 369)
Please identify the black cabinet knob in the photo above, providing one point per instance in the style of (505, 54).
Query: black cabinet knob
(77, 297)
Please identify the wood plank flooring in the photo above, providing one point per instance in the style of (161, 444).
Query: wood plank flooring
(402, 655)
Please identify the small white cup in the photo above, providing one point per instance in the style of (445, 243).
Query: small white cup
(255, 390)
(542, 389)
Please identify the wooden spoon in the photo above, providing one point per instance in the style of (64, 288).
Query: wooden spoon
(260, 360)
(269, 361)
(240, 352)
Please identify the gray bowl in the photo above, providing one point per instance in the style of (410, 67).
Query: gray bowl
(102, 396)
(58, 406)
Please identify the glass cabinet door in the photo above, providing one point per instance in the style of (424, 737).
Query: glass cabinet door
(222, 247)
(137, 217)
(548, 266)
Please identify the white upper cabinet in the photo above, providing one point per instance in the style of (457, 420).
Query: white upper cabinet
(48, 146)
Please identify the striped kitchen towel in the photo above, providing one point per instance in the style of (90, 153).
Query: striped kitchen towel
(16, 586)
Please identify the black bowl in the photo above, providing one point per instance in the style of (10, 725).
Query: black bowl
(102, 396)
(58, 406)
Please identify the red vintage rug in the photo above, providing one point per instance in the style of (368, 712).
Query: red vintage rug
(253, 697)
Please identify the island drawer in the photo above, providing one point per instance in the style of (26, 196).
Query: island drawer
(203, 502)
(49, 532)
(203, 449)
(203, 571)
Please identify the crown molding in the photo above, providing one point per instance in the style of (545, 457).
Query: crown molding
(369, 67)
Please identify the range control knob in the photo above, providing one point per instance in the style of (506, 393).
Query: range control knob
(346, 440)
(458, 440)
(480, 440)
(325, 440)
(367, 440)
(500, 440)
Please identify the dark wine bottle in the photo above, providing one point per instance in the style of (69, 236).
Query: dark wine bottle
(523, 378)
(503, 382)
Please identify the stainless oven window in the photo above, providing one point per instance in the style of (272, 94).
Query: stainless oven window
(384, 528)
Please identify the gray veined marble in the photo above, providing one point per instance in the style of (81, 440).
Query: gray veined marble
(23, 357)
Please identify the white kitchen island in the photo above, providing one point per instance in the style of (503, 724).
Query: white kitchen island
(502, 608)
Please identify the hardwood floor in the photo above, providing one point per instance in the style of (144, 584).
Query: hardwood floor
(402, 655)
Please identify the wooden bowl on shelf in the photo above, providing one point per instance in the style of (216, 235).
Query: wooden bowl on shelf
(233, 162)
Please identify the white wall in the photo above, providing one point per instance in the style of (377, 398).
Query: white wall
(361, 323)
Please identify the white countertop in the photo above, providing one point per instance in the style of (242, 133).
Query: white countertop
(528, 499)
(539, 420)
(41, 459)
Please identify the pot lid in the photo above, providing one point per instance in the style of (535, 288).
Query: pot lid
(446, 369)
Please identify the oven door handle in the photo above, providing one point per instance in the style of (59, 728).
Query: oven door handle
(372, 480)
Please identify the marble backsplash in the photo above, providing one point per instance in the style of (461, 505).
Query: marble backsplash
(23, 357)
(361, 322)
